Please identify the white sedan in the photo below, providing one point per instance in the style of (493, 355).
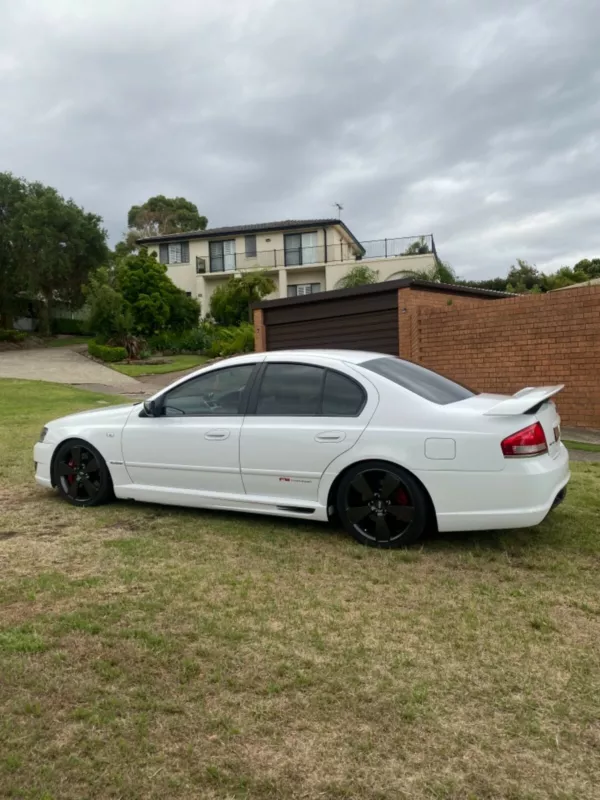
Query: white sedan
(382, 444)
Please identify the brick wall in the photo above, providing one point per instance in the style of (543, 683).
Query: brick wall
(260, 332)
(409, 300)
(505, 345)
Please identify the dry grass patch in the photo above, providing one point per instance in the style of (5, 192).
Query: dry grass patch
(150, 653)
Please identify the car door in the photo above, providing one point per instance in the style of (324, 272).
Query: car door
(300, 418)
(193, 446)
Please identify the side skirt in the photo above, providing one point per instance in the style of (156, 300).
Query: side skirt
(254, 504)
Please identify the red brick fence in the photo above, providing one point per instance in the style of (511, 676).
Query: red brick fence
(507, 344)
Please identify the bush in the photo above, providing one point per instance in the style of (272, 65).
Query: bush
(184, 312)
(231, 341)
(196, 340)
(231, 302)
(106, 353)
(214, 340)
(12, 336)
(75, 327)
(360, 275)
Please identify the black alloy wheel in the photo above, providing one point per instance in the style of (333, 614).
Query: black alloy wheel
(382, 505)
(81, 474)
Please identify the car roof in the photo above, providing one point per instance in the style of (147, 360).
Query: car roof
(352, 356)
(349, 356)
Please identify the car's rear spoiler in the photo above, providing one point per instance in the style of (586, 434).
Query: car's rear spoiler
(524, 401)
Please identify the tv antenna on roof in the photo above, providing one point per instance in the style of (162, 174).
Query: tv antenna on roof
(340, 208)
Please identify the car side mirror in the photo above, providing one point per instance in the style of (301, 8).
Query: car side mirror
(152, 408)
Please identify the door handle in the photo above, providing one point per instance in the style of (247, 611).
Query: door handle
(215, 436)
(330, 436)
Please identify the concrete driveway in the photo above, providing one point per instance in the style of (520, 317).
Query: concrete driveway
(63, 365)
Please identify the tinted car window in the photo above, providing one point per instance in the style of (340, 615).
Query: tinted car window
(290, 390)
(217, 392)
(342, 396)
(419, 380)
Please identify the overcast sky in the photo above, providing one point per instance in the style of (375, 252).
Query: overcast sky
(477, 120)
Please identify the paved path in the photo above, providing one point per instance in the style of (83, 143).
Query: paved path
(581, 435)
(63, 365)
(584, 455)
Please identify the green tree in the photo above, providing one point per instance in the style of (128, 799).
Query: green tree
(155, 303)
(360, 275)
(588, 267)
(160, 215)
(230, 303)
(110, 316)
(523, 277)
(12, 279)
(58, 246)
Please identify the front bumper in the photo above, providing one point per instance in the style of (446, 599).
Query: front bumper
(42, 457)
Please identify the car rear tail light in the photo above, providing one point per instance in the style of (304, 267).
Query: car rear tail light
(531, 441)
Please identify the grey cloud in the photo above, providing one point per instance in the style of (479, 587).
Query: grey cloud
(475, 120)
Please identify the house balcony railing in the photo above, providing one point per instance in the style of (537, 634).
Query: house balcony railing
(319, 254)
(403, 246)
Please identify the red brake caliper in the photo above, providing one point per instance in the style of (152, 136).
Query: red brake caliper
(402, 497)
(71, 478)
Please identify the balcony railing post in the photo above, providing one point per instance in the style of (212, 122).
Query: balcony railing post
(274, 258)
(385, 240)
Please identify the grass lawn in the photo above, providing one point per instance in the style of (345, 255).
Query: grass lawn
(175, 364)
(149, 652)
(587, 446)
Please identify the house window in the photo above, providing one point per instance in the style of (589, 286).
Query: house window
(251, 246)
(175, 253)
(301, 248)
(222, 256)
(294, 290)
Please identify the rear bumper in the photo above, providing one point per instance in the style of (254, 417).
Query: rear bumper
(559, 498)
(518, 497)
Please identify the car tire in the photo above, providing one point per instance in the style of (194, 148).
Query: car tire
(382, 505)
(81, 475)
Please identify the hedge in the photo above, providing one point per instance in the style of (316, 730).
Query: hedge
(12, 336)
(106, 353)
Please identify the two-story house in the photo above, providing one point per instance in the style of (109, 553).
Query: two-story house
(302, 256)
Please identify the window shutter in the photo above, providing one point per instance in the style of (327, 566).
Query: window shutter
(185, 252)
(164, 254)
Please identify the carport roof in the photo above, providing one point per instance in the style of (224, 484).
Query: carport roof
(385, 286)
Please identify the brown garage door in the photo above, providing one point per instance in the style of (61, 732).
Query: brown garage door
(367, 322)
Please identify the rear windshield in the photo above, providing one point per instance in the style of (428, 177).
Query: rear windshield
(419, 380)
